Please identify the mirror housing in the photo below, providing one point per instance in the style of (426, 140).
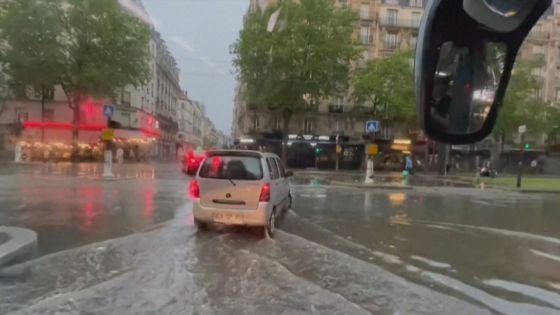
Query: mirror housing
(464, 57)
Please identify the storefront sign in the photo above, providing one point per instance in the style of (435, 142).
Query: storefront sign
(108, 134)
(372, 149)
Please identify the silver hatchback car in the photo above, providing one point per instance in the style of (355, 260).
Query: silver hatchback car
(240, 187)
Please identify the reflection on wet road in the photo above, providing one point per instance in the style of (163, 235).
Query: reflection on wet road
(68, 211)
(479, 246)
(339, 251)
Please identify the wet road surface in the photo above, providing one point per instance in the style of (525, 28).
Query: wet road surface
(339, 251)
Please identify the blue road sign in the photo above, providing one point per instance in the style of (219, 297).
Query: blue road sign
(372, 126)
(108, 110)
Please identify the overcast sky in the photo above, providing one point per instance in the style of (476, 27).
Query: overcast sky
(199, 33)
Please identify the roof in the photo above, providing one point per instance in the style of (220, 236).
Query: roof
(241, 152)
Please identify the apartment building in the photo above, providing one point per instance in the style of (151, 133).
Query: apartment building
(382, 27)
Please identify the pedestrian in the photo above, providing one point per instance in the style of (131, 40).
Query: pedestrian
(120, 155)
(409, 165)
(534, 165)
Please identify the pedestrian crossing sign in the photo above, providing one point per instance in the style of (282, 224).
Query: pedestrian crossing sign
(372, 126)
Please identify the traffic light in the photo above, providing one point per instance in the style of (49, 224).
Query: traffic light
(114, 124)
(527, 146)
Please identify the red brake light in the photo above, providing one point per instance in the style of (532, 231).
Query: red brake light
(194, 189)
(192, 160)
(265, 192)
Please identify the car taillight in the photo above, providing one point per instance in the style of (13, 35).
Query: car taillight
(265, 192)
(192, 160)
(194, 189)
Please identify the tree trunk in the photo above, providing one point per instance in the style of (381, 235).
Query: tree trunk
(75, 125)
(43, 96)
(287, 115)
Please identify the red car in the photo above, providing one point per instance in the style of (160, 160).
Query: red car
(192, 161)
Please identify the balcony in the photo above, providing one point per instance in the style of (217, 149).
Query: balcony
(336, 109)
(310, 108)
(390, 46)
(390, 21)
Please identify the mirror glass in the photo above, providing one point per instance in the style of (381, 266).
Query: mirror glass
(465, 83)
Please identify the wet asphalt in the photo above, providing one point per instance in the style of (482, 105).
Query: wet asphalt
(129, 247)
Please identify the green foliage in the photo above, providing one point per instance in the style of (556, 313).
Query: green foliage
(32, 49)
(89, 47)
(388, 82)
(521, 106)
(305, 59)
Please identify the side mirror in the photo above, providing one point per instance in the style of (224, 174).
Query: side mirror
(289, 174)
(464, 58)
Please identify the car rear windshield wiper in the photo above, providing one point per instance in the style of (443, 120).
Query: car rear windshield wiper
(231, 181)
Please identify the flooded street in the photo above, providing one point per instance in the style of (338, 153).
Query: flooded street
(130, 247)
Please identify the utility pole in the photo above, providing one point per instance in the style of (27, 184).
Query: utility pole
(522, 129)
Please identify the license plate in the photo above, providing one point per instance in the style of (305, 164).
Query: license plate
(228, 218)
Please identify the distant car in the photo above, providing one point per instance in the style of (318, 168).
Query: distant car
(191, 161)
(240, 187)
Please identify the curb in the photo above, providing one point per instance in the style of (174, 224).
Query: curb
(22, 242)
(378, 186)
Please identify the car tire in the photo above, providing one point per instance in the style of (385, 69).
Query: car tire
(200, 225)
(270, 227)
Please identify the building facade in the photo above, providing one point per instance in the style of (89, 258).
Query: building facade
(382, 27)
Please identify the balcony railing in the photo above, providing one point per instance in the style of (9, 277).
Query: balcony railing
(538, 35)
(390, 45)
(336, 109)
(390, 21)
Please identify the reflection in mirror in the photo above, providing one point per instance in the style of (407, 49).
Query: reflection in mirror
(464, 86)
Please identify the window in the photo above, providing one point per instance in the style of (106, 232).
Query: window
(125, 120)
(540, 92)
(339, 100)
(281, 168)
(48, 114)
(307, 126)
(364, 34)
(278, 124)
(390, 40)
(255, 122)
(416, 16)
(274, 174)
(343, 3)
(125, 98)
(416, 3)
(232, 167)
(364, 11)
(392, 16)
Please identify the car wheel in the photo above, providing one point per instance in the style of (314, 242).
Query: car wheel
(270, 226)
(200, 225)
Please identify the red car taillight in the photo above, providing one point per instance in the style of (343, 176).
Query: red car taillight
(265, 192)
(194, 189)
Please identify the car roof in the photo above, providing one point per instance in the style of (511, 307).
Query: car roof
(241, 153)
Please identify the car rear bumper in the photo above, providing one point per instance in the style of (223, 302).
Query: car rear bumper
(255, 217)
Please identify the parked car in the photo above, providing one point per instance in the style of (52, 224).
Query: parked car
(192, 160)
(240, 187)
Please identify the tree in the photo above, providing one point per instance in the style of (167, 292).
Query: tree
(387, 85)
(34, 55)
(91, 48)
(304, 60)
(521, 105)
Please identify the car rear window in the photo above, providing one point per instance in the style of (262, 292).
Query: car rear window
(232, 167)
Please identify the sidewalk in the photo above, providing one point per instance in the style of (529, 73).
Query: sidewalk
(16, 243)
